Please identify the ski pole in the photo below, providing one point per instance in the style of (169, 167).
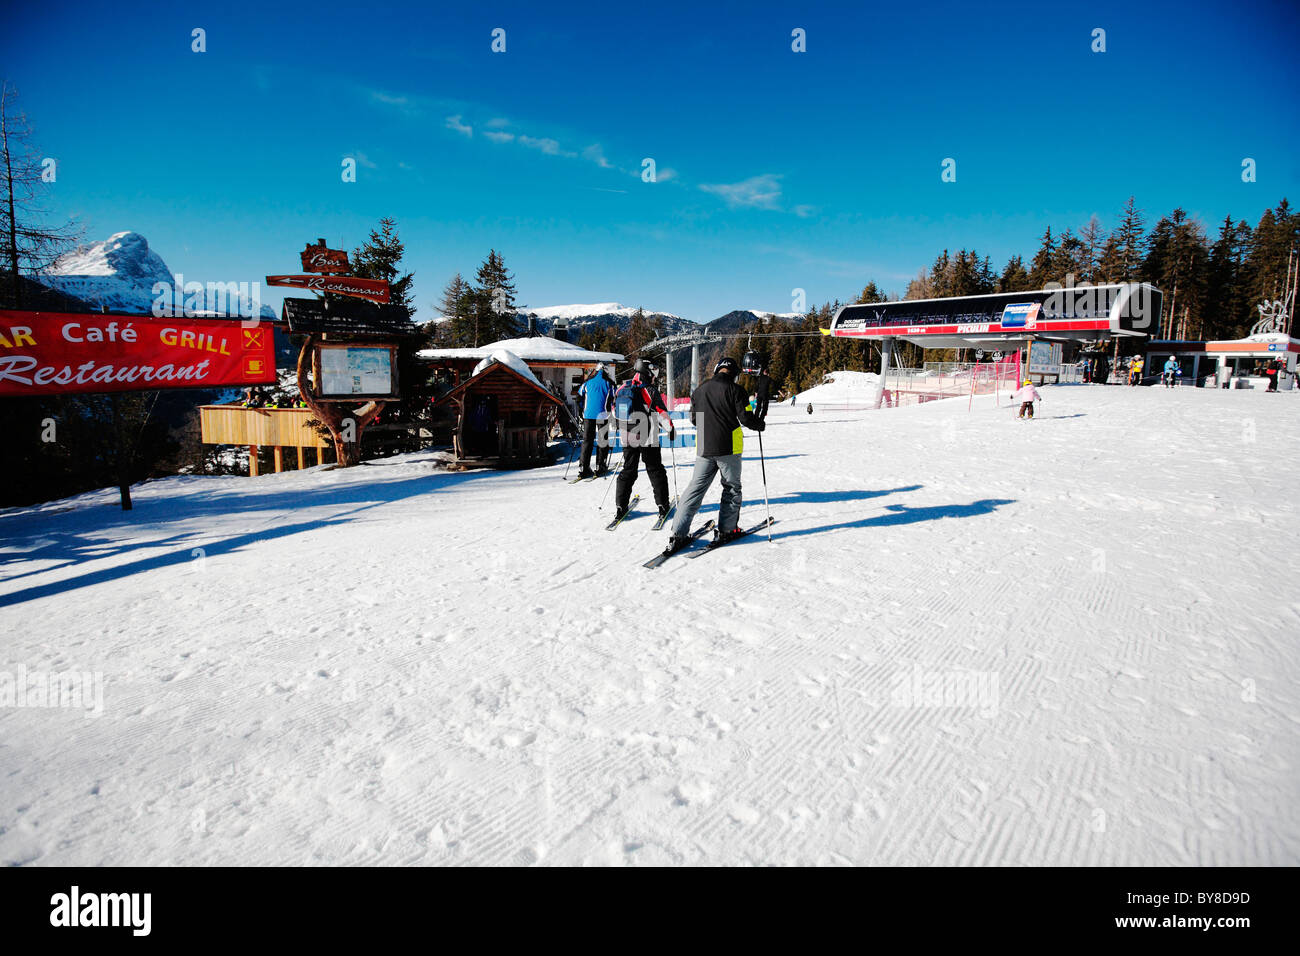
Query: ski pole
(572, 455)
(609, 471)
(763, 464)
(672, 450)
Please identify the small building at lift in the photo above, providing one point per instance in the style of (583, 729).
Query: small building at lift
(1234, 363)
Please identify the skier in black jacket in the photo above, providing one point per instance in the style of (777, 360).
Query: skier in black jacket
(762, 391)
(718, 409)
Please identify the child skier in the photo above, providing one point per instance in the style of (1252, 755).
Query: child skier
(1026, 396)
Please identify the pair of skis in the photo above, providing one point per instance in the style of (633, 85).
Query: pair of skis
(711, 546)
(659, 524)
(592, 477)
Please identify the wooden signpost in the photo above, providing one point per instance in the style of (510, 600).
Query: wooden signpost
(374, 290)
(346, 317)
(351, 352)
(320, 258)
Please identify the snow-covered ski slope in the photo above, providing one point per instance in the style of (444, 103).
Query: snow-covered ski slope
(973, 641)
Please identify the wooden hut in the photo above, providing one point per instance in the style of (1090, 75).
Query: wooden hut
(560, 366)
(502, 412)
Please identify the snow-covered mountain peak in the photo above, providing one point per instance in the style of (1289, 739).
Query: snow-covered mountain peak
(124, 254)
(120, 273)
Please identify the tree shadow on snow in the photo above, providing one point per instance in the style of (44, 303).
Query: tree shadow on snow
(902, 514)
(84, 535)
(183, 555)
(854, 494)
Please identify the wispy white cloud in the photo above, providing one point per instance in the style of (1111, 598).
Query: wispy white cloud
(454, 123)
(497, 136)
(597, 156)
(543, 143)
(756, 192)
(804, 211)
(497, 122)
(363, 160)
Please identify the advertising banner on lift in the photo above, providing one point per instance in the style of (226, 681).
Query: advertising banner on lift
(1023, 316)
(55, 353)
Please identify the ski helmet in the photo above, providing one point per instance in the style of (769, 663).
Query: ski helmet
(726, 366)
(640, 367)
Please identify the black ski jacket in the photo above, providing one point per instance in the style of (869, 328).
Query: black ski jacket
(718, 410)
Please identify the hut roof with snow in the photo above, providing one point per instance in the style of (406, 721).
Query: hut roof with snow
(502, 411)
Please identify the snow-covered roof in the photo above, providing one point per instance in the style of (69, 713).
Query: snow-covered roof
(509, 358)
(535, 348)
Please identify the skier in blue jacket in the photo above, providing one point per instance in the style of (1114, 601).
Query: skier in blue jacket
(1171, 371)
(597, 394)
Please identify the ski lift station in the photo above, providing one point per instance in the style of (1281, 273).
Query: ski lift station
(1006, 320)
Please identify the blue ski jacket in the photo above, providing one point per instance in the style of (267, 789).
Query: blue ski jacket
(597, 397)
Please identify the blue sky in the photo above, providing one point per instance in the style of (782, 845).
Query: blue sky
(777, 170)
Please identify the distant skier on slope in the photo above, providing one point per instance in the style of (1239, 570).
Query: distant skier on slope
(762, 391)
(597, 394)
(718, 409)
(1171, 371)
(1135, 371)
(643, 405)
(1026, 396)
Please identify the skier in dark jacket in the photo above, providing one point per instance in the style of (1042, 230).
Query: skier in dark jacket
(640, 406)
(718, 409)
(762, 391)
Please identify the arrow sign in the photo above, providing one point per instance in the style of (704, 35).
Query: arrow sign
(376, 290)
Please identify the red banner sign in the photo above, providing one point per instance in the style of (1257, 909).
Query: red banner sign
(376, 290)
(50, 353)
(319, 258)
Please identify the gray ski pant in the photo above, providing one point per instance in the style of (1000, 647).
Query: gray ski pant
(705, 469)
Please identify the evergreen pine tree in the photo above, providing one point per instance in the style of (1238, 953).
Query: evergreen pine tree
(1122, 254)
(456, 307)
(1040, 270)
(1276, 236)
(378, 258)
(871, 293)
(1177, 262)
(495, 312)
(1092, 240)
(1014, 278)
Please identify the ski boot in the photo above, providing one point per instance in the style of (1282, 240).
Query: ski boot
(676, 543)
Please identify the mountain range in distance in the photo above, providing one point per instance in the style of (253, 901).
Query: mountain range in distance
(119, 274)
